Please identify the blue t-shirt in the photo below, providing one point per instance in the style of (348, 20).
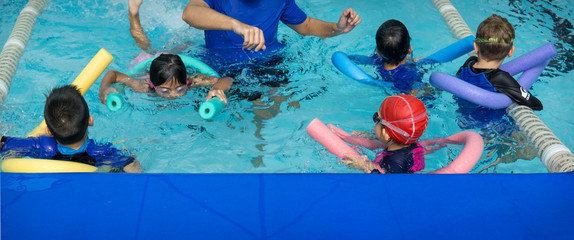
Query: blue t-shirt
(47, 148)
(264, 15)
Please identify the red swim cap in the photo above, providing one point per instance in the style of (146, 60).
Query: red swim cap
(405, 118)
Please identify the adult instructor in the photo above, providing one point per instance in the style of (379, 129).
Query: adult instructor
(246, 29)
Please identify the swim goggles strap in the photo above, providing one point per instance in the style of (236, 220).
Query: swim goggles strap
(400, 131)
(493, 39)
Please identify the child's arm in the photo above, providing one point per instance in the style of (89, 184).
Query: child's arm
(506, 84)
(219, 89)
(112, 77)
(136, 29)
(34, 147)
(219, 86)
(364, 134)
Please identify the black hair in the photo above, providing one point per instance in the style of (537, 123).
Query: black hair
(165, 67)
(393, 41)
(67, 114)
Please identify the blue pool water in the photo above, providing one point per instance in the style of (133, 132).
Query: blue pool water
(269, 135)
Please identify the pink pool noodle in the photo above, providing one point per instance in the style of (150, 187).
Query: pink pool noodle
(359, 141)
(468, 157)
(322, 134)
(463, 163)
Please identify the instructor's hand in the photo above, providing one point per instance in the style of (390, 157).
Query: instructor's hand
(252, 36)
(348, 21)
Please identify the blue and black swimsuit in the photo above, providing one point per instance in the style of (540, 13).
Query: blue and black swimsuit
(494, 80)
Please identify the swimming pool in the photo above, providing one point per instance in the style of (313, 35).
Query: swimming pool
(267, 136)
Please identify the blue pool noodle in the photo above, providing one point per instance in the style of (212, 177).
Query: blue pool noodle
(451, 52)
(211, 108)
(347, 67)
(114, 101)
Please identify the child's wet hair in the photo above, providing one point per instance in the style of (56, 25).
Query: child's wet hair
(494, 38)
(165, 67)
(67, 114)
(393, 41)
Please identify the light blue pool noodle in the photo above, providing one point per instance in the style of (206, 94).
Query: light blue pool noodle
(187, 60)
(347, 67)
(451, 52)
(114, 101)
(211, 108)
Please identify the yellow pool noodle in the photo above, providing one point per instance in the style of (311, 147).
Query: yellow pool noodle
(32, 165)
(83, 81)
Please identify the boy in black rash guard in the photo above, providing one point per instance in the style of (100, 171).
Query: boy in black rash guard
(67, 119)
(494, 42)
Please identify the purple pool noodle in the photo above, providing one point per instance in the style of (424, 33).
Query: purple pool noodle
(527, 79)
(480, 96)
(530, 59)
(469, 92)
(541, 56)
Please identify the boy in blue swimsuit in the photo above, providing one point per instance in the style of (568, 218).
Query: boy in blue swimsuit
(392, 52)
(67, 119)
(493, 43)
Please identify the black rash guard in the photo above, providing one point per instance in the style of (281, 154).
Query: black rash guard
(499, 81)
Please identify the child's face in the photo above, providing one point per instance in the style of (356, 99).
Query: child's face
(171, 89)
(380, 131)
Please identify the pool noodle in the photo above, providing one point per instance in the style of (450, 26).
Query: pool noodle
(334, 139)
(530, 59)
(355, 140)
(347, 67)
(114, 101)
(468, 157)
(83, 81)
(32, 165)
(322, 134)
(211, 108)
(534, 62)
(451, 52)
(477, 95)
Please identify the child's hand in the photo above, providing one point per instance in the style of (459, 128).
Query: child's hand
(105, 92)
(216, 92)
(409, 58)
(361, 163)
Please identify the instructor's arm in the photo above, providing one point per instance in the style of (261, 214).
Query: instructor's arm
(199, 15)
(348, 21)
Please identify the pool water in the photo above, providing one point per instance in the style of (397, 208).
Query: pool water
(268, 135)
